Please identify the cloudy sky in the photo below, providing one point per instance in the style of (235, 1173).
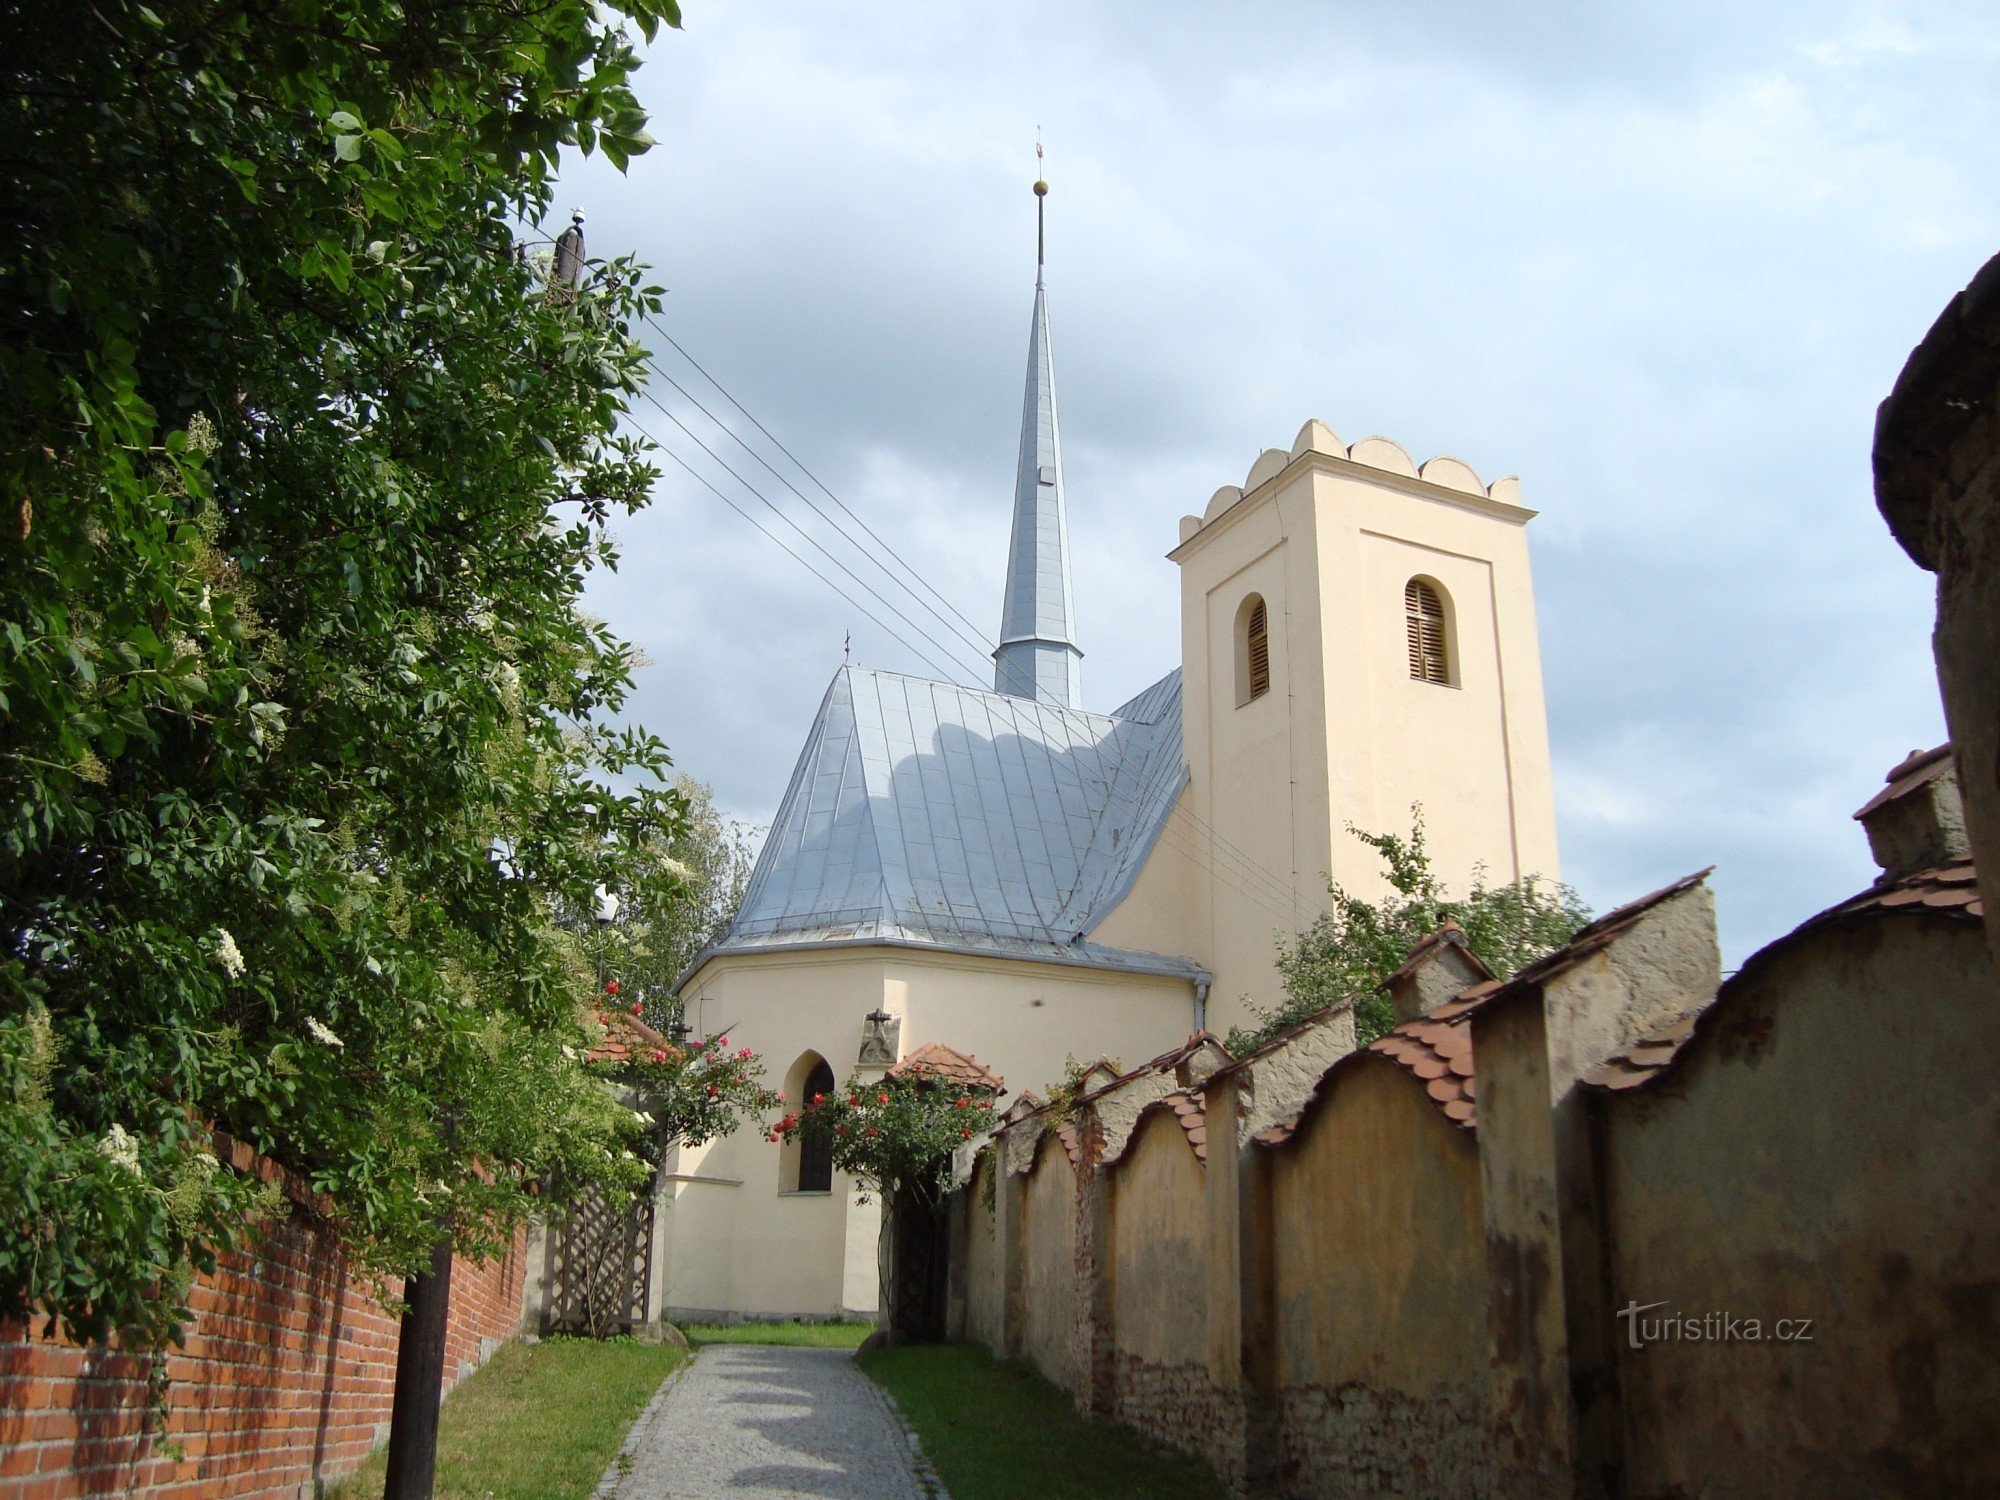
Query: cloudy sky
(1661, 261)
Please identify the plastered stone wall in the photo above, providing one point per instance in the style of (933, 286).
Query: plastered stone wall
(1050, 1243)
(1160, 1376)
(1825, 1151)
(1379, 1296)
(1283, 1078)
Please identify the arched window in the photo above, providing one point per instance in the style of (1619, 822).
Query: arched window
(806, 1166)
(1253, 650)
(1424, 621)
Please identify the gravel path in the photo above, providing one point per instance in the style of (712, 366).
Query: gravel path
(744, 1419)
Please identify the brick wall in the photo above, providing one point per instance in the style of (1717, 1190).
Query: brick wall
(287, 1377)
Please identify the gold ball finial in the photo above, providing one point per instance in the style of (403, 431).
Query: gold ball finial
(1041, 188)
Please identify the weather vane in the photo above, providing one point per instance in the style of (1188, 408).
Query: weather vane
(1041, 193)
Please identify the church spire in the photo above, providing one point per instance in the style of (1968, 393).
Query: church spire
(1038, 656)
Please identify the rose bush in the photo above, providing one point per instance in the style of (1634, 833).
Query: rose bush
(894, 1134)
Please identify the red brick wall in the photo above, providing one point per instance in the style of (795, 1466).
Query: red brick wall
(288, 1375)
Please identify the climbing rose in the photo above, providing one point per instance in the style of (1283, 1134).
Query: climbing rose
(961, 1103)
(659, 1056)
(611, 987)
(817, 1098)
(965, 1135)
(635, 1003)
(712, 1091)
(873, 1131)
(723, 1043)
(881, 1098)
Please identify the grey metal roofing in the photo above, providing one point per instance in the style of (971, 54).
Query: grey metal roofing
(1038, 656)
(931, 815)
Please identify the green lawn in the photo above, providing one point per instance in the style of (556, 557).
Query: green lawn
(1000, 1432)
(540, 1421)
(814, 1335)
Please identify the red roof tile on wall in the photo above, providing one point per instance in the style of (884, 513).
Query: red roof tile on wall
(935, 1060)
(1947, 890)
(624, 1034)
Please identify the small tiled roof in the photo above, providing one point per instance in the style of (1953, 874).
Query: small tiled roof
(1446, 932)
(1950, 888)
(1918, 768)
(948, 1064)
(1947, 890)
(1646, 1059)
(1438, 1054)
(624, 1034)
(1189, 1108)
(1436, 1049)
(1166, 1062)
(1588, 940)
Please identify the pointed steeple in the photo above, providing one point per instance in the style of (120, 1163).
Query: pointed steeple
(1038, 656)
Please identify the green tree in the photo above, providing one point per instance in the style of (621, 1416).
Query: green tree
(1354, 946)
(303, 738)
(653, 937)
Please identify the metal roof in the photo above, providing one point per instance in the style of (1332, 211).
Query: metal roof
(1038, 656)
(930, 815)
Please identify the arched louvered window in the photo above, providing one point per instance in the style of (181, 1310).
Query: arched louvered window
(1423, 618)
(1253, 650)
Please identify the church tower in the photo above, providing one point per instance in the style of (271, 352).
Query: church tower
(1038, 656)
(1358, 634)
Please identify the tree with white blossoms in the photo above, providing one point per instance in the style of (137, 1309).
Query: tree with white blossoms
(305, 744)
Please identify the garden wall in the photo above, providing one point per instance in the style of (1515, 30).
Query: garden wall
(1418, 1277)
(286, 1379)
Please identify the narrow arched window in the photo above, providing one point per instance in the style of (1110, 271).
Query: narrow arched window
(1424, 620)
(806, 1166)
(1253, 650)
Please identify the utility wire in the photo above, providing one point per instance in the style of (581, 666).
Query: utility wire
(1222, 851)
(979, 646)
(703, 480)
(872, 533)
(948, 652)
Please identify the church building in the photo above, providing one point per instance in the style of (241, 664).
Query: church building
(1022, 878)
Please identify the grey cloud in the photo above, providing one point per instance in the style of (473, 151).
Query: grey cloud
(1661, 261)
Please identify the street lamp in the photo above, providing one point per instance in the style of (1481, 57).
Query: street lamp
(607, 913)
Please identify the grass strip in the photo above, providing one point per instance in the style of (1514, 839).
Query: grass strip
(1000, 1432)
(810, 1335)
(540, 1421)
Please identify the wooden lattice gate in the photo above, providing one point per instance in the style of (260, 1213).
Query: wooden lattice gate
(603, 1266)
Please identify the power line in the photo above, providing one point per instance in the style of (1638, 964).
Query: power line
(978, 645)
(751, 418)
(948, 652)
(1222, 855)
(726, 500)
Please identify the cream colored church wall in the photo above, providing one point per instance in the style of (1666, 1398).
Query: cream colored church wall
(740, 1245)
(1155, 915)
(1024, 1019)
